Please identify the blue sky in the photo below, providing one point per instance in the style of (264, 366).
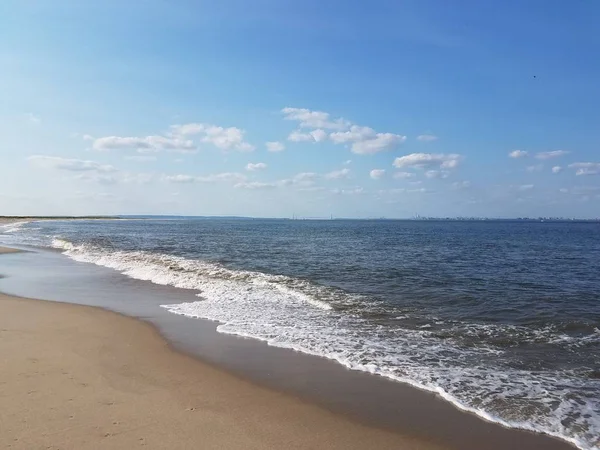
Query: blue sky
(380, 108)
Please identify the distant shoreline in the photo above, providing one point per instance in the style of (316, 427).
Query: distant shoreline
(58, 217)
(366, 219)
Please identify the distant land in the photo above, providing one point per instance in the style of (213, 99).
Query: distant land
(58, 217)
(295, 218)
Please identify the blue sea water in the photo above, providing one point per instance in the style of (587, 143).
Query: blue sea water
(500, 318)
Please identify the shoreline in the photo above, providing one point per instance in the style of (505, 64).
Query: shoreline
(414, 413)
(6, 250)
(77, 386)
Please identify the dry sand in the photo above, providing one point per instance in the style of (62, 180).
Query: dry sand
(76, 377)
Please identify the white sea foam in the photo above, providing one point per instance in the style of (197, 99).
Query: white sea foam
(12, 227)
(297, 314)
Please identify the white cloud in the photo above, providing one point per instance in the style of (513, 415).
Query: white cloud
(118, 143)
(275, 146)
(552, 154)
(256, 185)
(189, 129)
(245, 147)
(587, 172)
(381, 142)
(461, 184)
(231, 138)
(427, 138)
(298, 136)
(148, 144)
(227, 176)
(437, 174)
(314, 119)
(355, 134)
(99, 178)
(376, 174)
(400, 175)
(581, 190)
(585, 165)
(319, 135)
(311, 136)
(518, 154)
(406, 191)
(306, 176)
(311, 189)
(303, 179)
(535, 168)
(256, 166)
(338, 174)
(308, 179)
(91, 171)
(428, 160)
(557, 169)
(73, 165)
(347, 162)
(180, 178)
(586, 168)
(354, 191)
(363, 140)
(366, 141)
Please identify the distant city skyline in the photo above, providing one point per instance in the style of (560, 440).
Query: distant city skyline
(311, 109)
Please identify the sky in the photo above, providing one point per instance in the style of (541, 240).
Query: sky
(280, 108)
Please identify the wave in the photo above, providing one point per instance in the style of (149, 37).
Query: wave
(12, 227)
(319, 320)
(203, 276)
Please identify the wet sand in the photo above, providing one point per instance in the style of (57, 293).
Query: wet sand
(4, 250)
(78, 377)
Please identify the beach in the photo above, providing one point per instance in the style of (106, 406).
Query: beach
(242, 392)
(77, 377)
(5, 250)
(299, 225)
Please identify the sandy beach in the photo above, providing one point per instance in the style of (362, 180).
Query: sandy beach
(4, 250)
(76, 377)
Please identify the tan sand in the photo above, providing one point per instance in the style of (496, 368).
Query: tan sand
(76, 377)
(7, 220)
(4, 250)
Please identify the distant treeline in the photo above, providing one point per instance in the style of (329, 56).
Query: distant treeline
(378, 219)
(58, 217)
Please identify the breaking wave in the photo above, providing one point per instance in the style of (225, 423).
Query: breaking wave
(12, 227)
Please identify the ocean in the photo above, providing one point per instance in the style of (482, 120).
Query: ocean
(500, 318)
